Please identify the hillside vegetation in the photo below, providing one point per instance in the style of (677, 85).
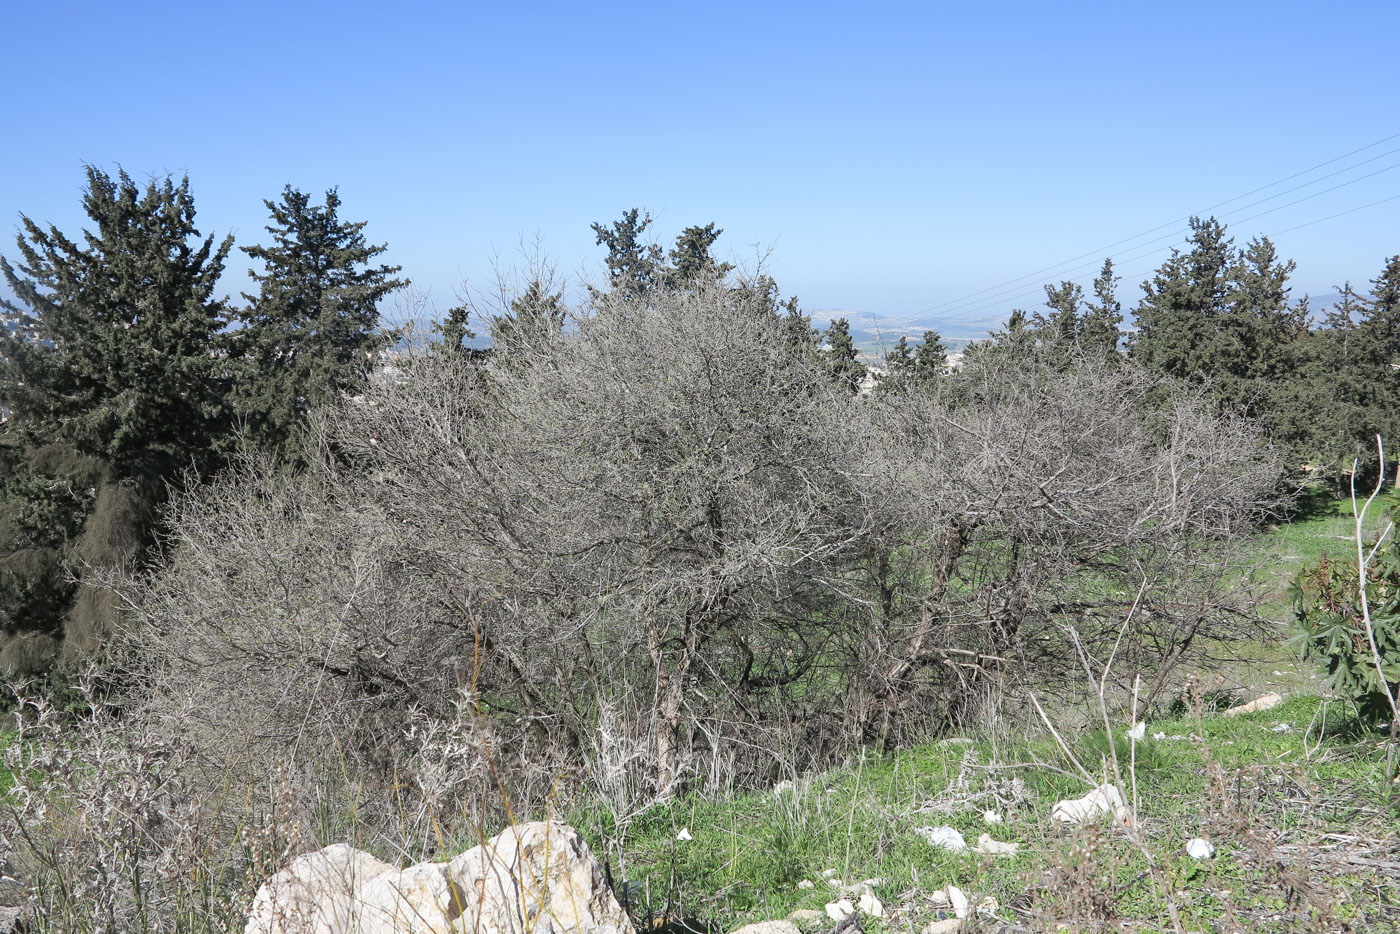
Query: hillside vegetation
(655, 562)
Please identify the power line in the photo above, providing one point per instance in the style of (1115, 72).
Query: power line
(1001, 293)
(1131, 275)
(1098, 251)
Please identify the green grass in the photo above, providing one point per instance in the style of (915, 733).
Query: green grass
(1321, 525)
(749, 852)
(7, 779)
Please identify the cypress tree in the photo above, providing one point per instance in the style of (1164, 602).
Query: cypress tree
(901, 358)
(312, 331)
(1063, 323)
(691, 260)
(115, 382)
(1379, 338)
(1176, 320)
(536, 318)
(634, 265)
(839, 354)
(930, 358)
(1102, 325)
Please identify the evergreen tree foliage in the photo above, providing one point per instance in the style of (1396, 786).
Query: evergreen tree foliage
(930, 358)
(1380, 315)
(1063, 321)
(1256, 339)
(312, 331)
(1222, 318)
(839, 355)
(114, 379)
(691, 262)
(536, 318)
(116, 352)
(1379, 337)
(635, 266)
(1183, 301)
(901, 357)
(797, 326)
(454, 331)
(1102, 323)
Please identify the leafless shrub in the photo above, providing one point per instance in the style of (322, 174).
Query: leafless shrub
(665, 546)
(1045, 494)
(659, 550)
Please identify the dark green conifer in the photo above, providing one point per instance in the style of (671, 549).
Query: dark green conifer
(839, 354)
(1063, 323)
(312, 331)
(901, 358)
(1176, 320)
(115, 382)
(634, 265)
(536, 318)
(930, 358)
(1101, 327)
(691, 261)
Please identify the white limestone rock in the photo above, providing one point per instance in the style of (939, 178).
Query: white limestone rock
(536, 878)
(1104, 799)
(315, 893)
(945, 838)
(1267, 702)
(769, 927)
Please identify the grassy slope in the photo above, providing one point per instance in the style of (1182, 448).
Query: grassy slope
(1298, 813)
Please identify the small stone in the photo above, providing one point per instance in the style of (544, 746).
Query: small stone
(1104, 799)
(12, 920)
(1200, 848)
(769, 927)
(806, 884)
(943, 926)
(870, 905)
(1159, 736)
(945, 838)
(1266, 702)
(962, 908)
(1282, 728)
(989, 847)
(805, 916)
(684, 835)
(840, 910)
(991, 817)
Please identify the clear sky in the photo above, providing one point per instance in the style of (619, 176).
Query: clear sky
(894, 157)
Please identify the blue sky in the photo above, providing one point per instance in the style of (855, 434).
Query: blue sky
(892, 157)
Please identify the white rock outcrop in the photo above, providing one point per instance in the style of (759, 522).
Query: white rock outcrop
(315, 893)
(536, 878)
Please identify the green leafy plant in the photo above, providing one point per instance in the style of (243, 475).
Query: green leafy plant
(1330, 625)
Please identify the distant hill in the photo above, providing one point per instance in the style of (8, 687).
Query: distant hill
(873, 334)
